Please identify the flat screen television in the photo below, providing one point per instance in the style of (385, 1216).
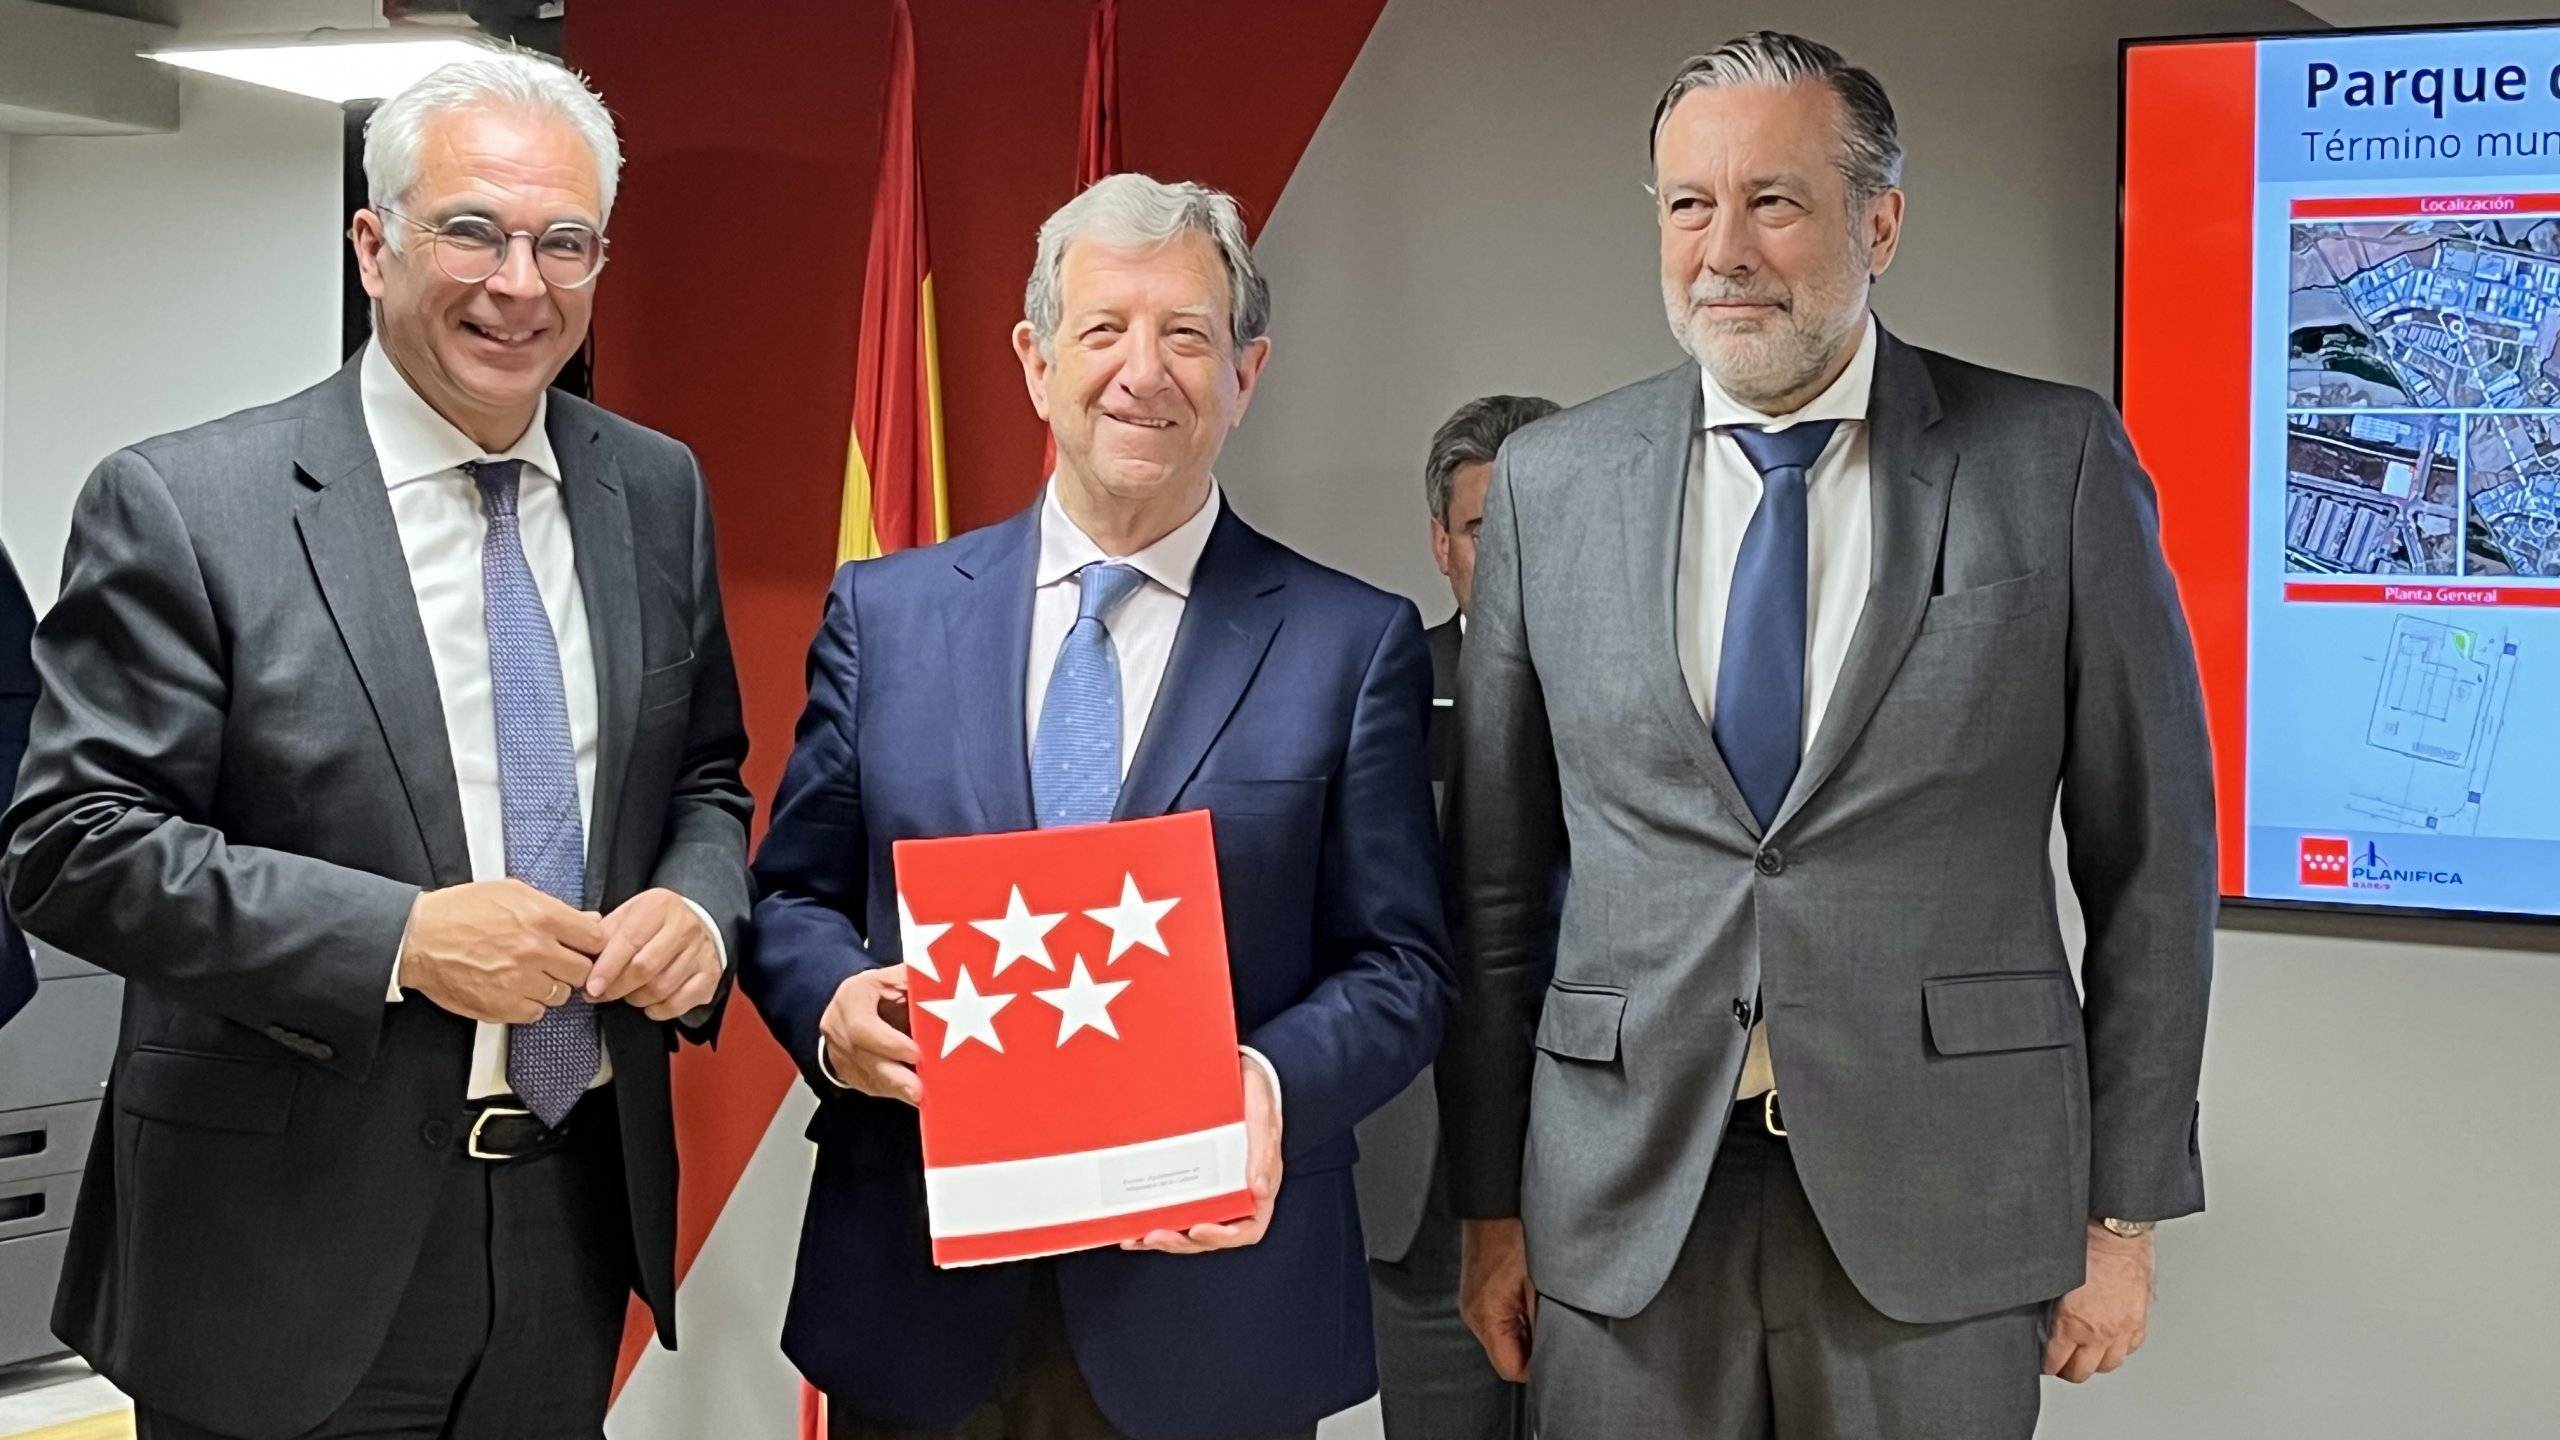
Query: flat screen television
(2339, 357)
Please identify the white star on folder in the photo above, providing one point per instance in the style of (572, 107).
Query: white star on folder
(1134, 921)
(915, 942)
(1084, 1004)
(1019, 934)
(967, 1015)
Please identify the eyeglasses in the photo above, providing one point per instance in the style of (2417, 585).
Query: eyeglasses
(470, 249)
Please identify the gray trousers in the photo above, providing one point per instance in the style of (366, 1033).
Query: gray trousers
(1759, 1333)
(513, 1314)
(1434, 1382)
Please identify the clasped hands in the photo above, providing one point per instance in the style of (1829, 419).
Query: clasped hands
(504, 952)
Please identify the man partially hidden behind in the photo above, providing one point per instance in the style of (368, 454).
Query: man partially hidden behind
(389, 749)
(1795, 1119)
(1433, 1379)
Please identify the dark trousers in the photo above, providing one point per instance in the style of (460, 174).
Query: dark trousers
(1759, 1333)
(1434, 1382)
(512, 1319)
(1041, 1395)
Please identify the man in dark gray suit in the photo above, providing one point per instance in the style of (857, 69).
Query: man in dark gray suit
(1795, 1117)
(1433, 1380)
(389, 749)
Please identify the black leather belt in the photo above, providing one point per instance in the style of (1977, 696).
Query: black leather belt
(1758, 1116)
(502, 1129)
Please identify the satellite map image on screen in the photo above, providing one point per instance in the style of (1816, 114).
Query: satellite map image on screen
(2455, 314)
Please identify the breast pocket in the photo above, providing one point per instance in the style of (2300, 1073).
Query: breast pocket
(1280, 798)
(1988, 604)
(667, 688)
(1268, 835)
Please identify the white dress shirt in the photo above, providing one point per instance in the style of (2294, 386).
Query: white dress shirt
(1723, 491)
(437, 508)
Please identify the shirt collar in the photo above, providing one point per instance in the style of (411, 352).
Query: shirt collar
(414, 443)
(1169, 562)
(1844, 399)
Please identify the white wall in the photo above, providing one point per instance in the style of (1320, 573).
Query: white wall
(2380, 1141)
(1471, 217)
(154, 282)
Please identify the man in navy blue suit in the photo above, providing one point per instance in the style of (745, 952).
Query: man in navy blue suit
(1126, 647)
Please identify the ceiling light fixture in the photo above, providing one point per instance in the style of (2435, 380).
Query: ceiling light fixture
(332, 65)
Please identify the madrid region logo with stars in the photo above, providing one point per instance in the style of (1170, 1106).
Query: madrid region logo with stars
(1082, 1003)
(1068, 988)
(2338, 863)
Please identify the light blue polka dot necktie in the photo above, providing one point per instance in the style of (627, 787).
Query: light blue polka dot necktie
(1075, 757)
(551, 1061)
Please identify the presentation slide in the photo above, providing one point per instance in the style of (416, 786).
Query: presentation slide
(2341, 363)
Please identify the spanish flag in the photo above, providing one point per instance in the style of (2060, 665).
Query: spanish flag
(894, 495)
(1097, 129)
(1098, 126)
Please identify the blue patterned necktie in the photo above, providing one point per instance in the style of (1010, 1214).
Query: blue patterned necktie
(1759, 710)
(551, 1061)
(1075, 758)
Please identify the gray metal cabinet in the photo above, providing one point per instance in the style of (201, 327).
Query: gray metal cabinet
(53, 1069)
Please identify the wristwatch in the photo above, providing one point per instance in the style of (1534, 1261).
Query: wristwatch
(2130, 1229)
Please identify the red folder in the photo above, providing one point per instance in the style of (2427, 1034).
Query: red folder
(1068, 989)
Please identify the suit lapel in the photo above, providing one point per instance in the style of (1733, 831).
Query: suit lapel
(354, 547)
(1652, 502)
(609, 581)
(988, 634)
(1910, 473)
(1227, 627)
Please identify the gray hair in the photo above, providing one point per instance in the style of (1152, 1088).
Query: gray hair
(1136, 210)
(506, 77)
(1473, 436)
(1870, 143)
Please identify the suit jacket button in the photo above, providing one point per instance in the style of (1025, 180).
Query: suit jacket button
(437, 1133)
(1770, 862)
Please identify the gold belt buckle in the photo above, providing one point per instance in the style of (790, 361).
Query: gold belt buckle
(471, 1147)
(1769, 1114)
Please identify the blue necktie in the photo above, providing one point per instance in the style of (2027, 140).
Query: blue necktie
(551, 1061)
(1759, 724)
(1075, 759)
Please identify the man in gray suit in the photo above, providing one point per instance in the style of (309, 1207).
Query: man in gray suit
(1795, 1118)
(389, 749)
(1433, 1381)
